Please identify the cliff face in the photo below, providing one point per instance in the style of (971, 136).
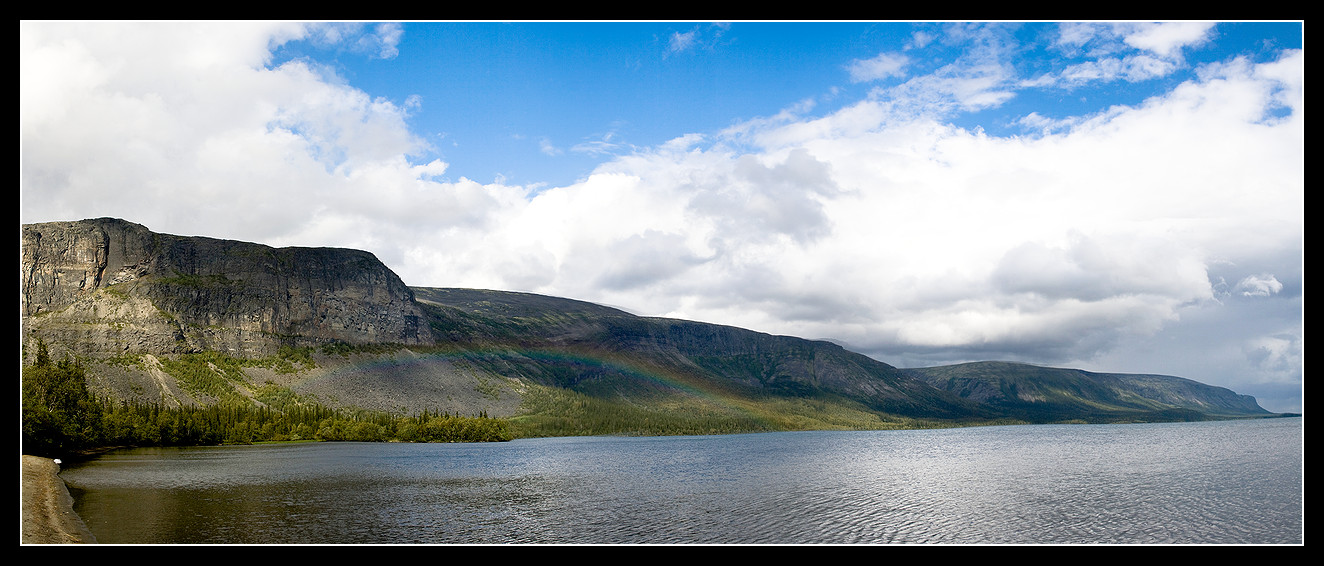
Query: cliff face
(109, 285)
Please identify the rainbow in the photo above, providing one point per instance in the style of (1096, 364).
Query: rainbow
(523, 361)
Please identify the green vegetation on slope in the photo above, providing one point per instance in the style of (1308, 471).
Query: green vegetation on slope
(59, 413)
(61, 416)
(1044, 394)
(554, 411)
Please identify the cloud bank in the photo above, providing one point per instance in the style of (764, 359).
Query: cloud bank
(1104, 240)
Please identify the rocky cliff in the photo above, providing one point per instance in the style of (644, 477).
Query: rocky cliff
(106, 286)
(131, 303)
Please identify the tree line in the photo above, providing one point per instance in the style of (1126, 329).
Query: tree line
(61, 416)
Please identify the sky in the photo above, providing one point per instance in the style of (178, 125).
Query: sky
(1108, 196)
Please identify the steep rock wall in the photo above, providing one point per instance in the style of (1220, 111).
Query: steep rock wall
(216, 294)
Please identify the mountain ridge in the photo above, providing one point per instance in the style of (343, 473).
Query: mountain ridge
(1026, 389)
(120, 296)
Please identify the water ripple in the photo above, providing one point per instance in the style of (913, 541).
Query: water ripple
(1183, 483)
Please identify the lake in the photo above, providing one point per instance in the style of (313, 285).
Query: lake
(1235, 482)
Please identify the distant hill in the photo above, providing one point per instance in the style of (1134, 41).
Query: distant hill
(1042, 394)
(338, 327)
(732, 360)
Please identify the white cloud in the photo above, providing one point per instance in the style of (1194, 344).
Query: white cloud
(878, 224)
(880, 67)
(1162, 39)
(1167, 38)
(920, 39)
(982, 77)
(1133, 69)
(706, 36)
(1073, 35)
(145, 121)
(1131, 52)
(1036, 121)
(386, 39)
(1259, 286)
(379, 40)
(929, 236)
(682, 41)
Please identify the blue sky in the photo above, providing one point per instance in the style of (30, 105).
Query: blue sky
(541, 102)
(1112, 196)
(544, 102)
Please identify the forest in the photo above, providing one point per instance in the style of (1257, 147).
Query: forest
(61, 416)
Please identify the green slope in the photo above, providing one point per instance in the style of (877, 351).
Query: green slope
(608, 354)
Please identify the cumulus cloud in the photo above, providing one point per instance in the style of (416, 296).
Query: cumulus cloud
(1167, 38)
(186, 127)
(878, 224)
(927, 236)
(754, 201)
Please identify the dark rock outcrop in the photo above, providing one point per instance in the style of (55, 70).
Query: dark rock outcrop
(113, 285)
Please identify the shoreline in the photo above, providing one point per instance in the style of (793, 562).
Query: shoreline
(48, 509)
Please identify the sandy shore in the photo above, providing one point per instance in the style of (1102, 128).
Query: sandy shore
(48, 509)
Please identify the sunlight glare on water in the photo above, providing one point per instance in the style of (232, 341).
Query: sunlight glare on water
(1217, 482)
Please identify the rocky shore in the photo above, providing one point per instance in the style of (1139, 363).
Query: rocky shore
(48, 509)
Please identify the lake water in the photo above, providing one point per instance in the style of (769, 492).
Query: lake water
(1213, 482)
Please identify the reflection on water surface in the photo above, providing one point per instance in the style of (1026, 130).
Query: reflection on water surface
(1221, 482)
